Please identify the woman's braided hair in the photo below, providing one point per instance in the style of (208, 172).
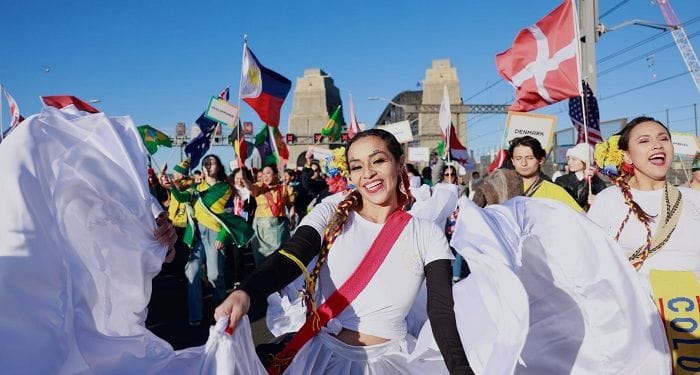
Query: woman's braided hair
(353, 201)
(627, 171)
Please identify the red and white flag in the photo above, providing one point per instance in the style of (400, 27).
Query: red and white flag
(542, 65)
(15, 117)
(353, 127)
(63, 101)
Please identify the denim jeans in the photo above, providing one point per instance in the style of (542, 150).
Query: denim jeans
(204, 250)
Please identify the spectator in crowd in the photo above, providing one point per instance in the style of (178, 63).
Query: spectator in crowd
(449, 176)
(580, 173)
(695, 179)
(474, 183)
(426, 174)
(527, 155)
(413, 175)
(313, 182)
(177, 210)
(243, 206)
(561, 170)
(214, 229)
(197, 175)
(271, 224)
(159, 192)
(654, 222)
(289, 179)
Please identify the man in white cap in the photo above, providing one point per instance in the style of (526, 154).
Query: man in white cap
(576, 181)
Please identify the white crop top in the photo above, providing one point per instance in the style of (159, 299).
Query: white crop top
(680, 253)
(381, 308)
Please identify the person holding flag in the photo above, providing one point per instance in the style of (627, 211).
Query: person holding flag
(270, 223)
(580, 173)
(209, 229)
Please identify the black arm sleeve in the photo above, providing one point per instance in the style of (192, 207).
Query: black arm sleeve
(277, 271)
(438, 275)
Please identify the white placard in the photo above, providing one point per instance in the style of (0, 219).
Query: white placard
(419, 154)
(684, 144)
(222, 111)
(401, 130)
(538, 126)
(321, 153)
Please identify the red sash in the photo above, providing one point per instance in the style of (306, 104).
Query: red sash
(275, 207)
(347, 293)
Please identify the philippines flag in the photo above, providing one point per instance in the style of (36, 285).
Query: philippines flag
(592, 115)
(263, 89)
(63, 101)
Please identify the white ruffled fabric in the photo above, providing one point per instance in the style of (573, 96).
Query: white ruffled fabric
(587, 310)
(78, 255)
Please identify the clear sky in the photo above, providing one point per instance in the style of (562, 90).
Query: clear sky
(160, 61)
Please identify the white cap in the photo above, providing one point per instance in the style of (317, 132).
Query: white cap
(580, 151)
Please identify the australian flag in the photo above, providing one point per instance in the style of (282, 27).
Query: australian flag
(593, 115)
(201, 143)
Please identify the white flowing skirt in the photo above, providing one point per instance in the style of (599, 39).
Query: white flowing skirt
(325, 354)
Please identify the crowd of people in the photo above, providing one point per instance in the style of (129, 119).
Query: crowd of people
(298, 203)
(365, 233)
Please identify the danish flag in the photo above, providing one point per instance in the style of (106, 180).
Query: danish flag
(542, 65)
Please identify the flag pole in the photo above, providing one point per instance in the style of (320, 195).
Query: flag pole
(582, 95)
(685, 170)
(241, 159)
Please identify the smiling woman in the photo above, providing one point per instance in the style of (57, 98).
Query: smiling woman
(654, 221)
(366, 245)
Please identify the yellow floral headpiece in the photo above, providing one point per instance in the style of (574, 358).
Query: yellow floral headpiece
(609, 156)
(336, 165)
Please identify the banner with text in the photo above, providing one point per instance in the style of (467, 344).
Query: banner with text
(419, 154)
(401, 130)
(220, 110)
(538, 126)
(677, 296)
(685, 144)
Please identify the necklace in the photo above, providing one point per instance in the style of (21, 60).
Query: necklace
(670, 214)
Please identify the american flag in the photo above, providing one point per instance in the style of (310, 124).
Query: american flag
(576, 113)
(224, 94)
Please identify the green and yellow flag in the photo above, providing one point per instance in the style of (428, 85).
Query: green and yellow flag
(152, 138)
(333, 128)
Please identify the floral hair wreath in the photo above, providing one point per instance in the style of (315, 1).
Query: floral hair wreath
(609, 156)
(336, 168)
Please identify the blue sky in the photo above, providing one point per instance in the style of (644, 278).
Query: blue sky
(160, 61)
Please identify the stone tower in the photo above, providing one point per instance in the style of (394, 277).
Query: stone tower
(315, 99)
(439, 75)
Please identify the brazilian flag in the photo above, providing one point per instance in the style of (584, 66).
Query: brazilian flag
(152, 138)
(333, 128)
